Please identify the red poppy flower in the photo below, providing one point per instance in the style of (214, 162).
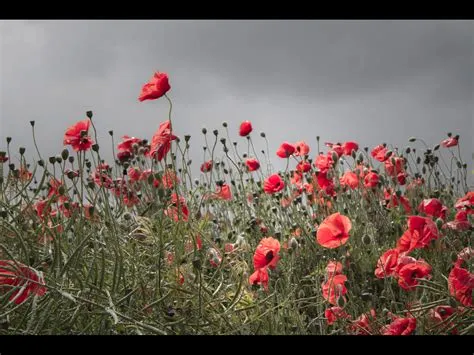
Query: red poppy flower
(124, 156)
(252, 164)
(53, 193)
(260, 277)
(439, 314)
(76, 136)
(349, 179)
(332, 314)
(286, 150)
(334, 231)
(134, 174)
(3, 157)
(161, 141)
(301, 149)
(266, 253)
(402, 178)
(336, 148)
(334, 288)
(155, 88)
(394, 165)
(223, 192)
(450, 142)
(245, 128)
(169, 179)
(333, 268)
(408, 274)
(363, 324)
(178, 209)
(127, 144)
(25, 280)
(303, 167)
(467, 202)
(206, 166)
(371, 179)
(379, 153)
(387, 264)
(273, 184)
(323, 162)
(400, 326)
(421, 231)
(348, 147)
(433, 207)
(461, 284)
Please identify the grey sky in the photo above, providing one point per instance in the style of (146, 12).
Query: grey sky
(368, 81)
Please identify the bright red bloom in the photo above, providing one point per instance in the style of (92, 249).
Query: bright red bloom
(260, 277)
(161, 141)
(127, 144)
(421, 231)
(379, 153)
(402, 178)
(394, 166)
(134, 174)
(206, 166)
(323, 162)
(450, 142)
(332, 314)
(3, 157)
(223, 192)
(408, 274)
(371, 179)
(387, 264)
(334, 288)
(25, 280)
(155, 88)
(392, 200)
(303, 167)
(433, 207)
(334, 231)
(245, 128)
(124, 156)
(286, 150)
(273, 184)
(53, 193)
(348, 147)
(349, 179)
(266, 253)
(336, 148)
(461, 284)
(301, 149)
(178, 209)
(76, 136)
(400, 326)
(252, 164)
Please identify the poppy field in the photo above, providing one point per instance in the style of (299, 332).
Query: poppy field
(347, 240)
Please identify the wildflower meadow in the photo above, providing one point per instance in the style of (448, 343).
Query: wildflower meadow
(346, 240)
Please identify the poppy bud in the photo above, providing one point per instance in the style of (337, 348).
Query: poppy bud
(22, 150)
(408, 150)
(52, 160)
(223, 141)
(204, 130)
(216, 132)
(423, 169)
(439, 223)
(224, 124)
(366, 239)
(436, 147)
(32, 123)
(459, 165)
(317, 138)
(262, 134)
(91, 185)
(89, 114)
(366, 296)
(3, 214)
(59, 160)
(41, 162)
(9, 139)
(449, 134)
(388, 154)
(412, 139)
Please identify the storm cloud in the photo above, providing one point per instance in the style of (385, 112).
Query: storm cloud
(367, 81)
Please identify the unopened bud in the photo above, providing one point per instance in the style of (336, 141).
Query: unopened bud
(22, 150)
(89, 114)
(204, 130)
(411, 139)
(95, 147)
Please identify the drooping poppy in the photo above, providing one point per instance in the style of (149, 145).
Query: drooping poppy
(155, 88)
(433, 207)
(379, 153)
(26, 280)
(161, 141)
(348, 147)
(450, 142)
(252, 164)
(260, 277)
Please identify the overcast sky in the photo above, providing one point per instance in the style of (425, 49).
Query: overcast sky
(367, 81)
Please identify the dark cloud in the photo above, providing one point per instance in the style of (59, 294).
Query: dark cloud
(369, 81)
